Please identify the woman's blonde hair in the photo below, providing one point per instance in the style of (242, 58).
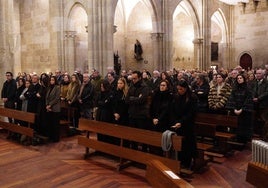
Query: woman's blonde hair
(125, 88)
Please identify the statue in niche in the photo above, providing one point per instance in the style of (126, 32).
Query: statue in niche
(138, 50)
(117, 64)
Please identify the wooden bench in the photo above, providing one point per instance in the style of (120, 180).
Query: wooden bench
(207, 128)
(201, 160)
(151, 138)
(257, 174)
(159, 176)
(216, 121)
(27, 117)
(66, 120)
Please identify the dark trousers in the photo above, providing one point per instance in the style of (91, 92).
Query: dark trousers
(140, 123)
(53, 126)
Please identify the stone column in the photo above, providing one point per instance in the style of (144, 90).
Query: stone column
(69, 63)
(157, 44)
(198, 50)
(206, 52)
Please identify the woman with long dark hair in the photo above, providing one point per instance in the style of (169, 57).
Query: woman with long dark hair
(241, 104)
(53, 109)
(160, 105)
(183, 110)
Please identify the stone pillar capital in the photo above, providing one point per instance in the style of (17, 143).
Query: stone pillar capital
(198, 41)
(70, 34)
(157, 36)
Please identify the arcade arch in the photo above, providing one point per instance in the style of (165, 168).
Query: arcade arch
(186, 37)
(219, 40)
(136, 20)
(76, 39)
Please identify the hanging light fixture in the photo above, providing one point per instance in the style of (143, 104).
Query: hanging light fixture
(234, 2)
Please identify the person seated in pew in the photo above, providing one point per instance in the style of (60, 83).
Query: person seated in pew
(182, 115)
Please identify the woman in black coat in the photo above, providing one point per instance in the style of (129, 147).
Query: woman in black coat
(120, 108)
(183, 110)
(241, 104)
(159, 110)
(53, 109)
(105, 109)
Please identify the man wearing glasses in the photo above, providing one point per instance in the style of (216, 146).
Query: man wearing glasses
(9, 92)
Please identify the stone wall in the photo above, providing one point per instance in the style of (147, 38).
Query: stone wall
(251, 33)
(33, 34)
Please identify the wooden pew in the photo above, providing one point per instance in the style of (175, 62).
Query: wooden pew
(127, 133)
(159, 176)
(66, 120)
(207, 128)
(27, 117)
(216, 121)
(67, 113)
(257, 174)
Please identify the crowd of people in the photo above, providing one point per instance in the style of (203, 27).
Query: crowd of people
(159, 101)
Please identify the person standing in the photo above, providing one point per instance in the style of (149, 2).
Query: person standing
(219, 95)
(159, 110)
(64, 87)
(240, 103)
(33, 100)
(137, 99)
(120, 108)
(182, 115)
(86, 97)
(53, 110)
(105, 110)
(8, 93)
(260, 99)
(155, 80)
(71, 97)
(41, 109)
(20, 88)
(201, 89)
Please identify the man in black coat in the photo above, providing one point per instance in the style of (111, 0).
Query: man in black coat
(260, 99)
(8, 93)
(137, 98)
(31, 94)
(86, 97)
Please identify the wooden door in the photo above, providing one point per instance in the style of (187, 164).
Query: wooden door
(246, 61)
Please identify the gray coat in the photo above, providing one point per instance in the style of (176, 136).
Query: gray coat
(53, 98)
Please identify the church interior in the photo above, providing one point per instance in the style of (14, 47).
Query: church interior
(42, 36)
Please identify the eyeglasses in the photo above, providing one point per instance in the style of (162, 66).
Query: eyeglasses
(8, 75)
(163, 85)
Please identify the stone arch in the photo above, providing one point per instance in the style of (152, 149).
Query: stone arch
(219, 38)
(125, 13)
(68, 8)
(193, 13)
(76, 38)
(192, 58)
